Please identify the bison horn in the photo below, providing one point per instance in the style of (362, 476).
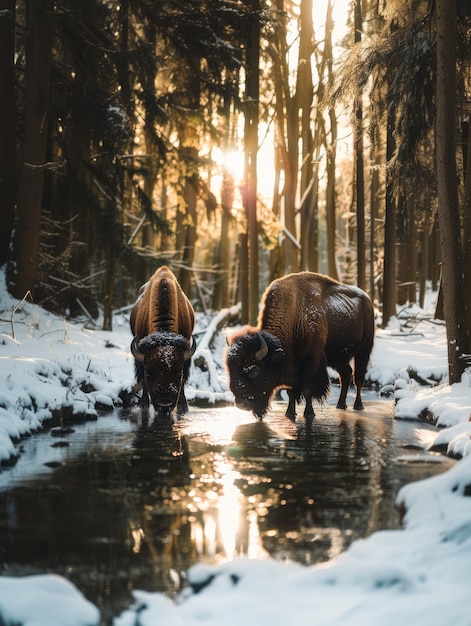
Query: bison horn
(137, 354)
(263, 350)
(191, 350)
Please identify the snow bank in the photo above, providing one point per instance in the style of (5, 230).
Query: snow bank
(55, 370)
(44, 600)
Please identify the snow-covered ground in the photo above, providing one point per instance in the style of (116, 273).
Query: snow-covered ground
(49, 366)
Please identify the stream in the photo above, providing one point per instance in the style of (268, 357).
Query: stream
(118, 505)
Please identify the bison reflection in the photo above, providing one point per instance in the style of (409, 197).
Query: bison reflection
(307, 322)
(162, 323)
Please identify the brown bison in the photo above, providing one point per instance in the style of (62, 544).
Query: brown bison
(307, 322)
(162, 322)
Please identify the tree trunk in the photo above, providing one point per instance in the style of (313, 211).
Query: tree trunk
(447, 193)
(467, 227)
(287, 134)
(305, 92)
(402, 253)
(412, 242)
(276, 255)
(189, 143)
(190, 195)
(309, 222)
(331, 150)
(425, 236)
(221, 288)
(374, 191)
(25, 242)
(252, 95)
(150, 175)
(389, 259)
(7, 125)
(359, 166)
(244, 278)
(331, 206)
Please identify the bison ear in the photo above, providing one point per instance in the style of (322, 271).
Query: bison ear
(263, 350)
(191, 350)
(137, 354)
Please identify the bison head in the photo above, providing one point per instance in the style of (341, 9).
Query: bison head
(255, 361)
(163, 359)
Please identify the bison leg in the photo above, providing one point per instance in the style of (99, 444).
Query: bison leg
(291, 410)
(141, 382)
(308, 410)
(345, 374)
(361, 363)
(182, 405)
(144, 399)
(359, 379)
(358, 404)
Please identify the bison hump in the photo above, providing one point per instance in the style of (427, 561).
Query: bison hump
(164, 306)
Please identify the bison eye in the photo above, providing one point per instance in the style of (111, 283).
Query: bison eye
(252, 371)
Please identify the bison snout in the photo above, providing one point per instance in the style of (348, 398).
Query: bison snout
(244, 404)
(164, 405)
(164, 402)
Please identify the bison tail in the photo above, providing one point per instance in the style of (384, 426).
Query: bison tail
(321, 386)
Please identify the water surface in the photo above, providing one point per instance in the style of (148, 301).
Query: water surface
(116, 506)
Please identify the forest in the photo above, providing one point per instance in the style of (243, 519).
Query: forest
(236, 141)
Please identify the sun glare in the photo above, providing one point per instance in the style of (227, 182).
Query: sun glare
(234, 164)
(230, 161)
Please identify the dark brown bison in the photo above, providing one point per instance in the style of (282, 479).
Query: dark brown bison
(162, 322)
(307, 322)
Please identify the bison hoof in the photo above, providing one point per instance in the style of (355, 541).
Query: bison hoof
(342, 405)
(358, 406)
(291, 416)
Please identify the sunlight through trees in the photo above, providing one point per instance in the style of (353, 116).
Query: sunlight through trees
(236, 141)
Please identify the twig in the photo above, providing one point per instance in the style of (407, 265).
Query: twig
(50, 165)
(28, 293)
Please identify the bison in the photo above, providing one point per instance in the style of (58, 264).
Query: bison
(307, 322)
(162, 322)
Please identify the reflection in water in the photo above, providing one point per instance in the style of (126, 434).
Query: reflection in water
(229, 508)
(138, 511)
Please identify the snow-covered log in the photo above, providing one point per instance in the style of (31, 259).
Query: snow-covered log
(203, 357)
(224, 317)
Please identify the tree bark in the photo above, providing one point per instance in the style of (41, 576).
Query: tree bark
(359, 166)
(447, 193)
(287, 135)
(389, 258)
(331, 150)
(25, 240)
(7, 125)
(243, 277)
(190, 196)
(223, 260)
(252, 95)
(374, 191)
(467, 226)
(309, 224)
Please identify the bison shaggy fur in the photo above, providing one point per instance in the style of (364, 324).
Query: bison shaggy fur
(162, 322)
(307, 322)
